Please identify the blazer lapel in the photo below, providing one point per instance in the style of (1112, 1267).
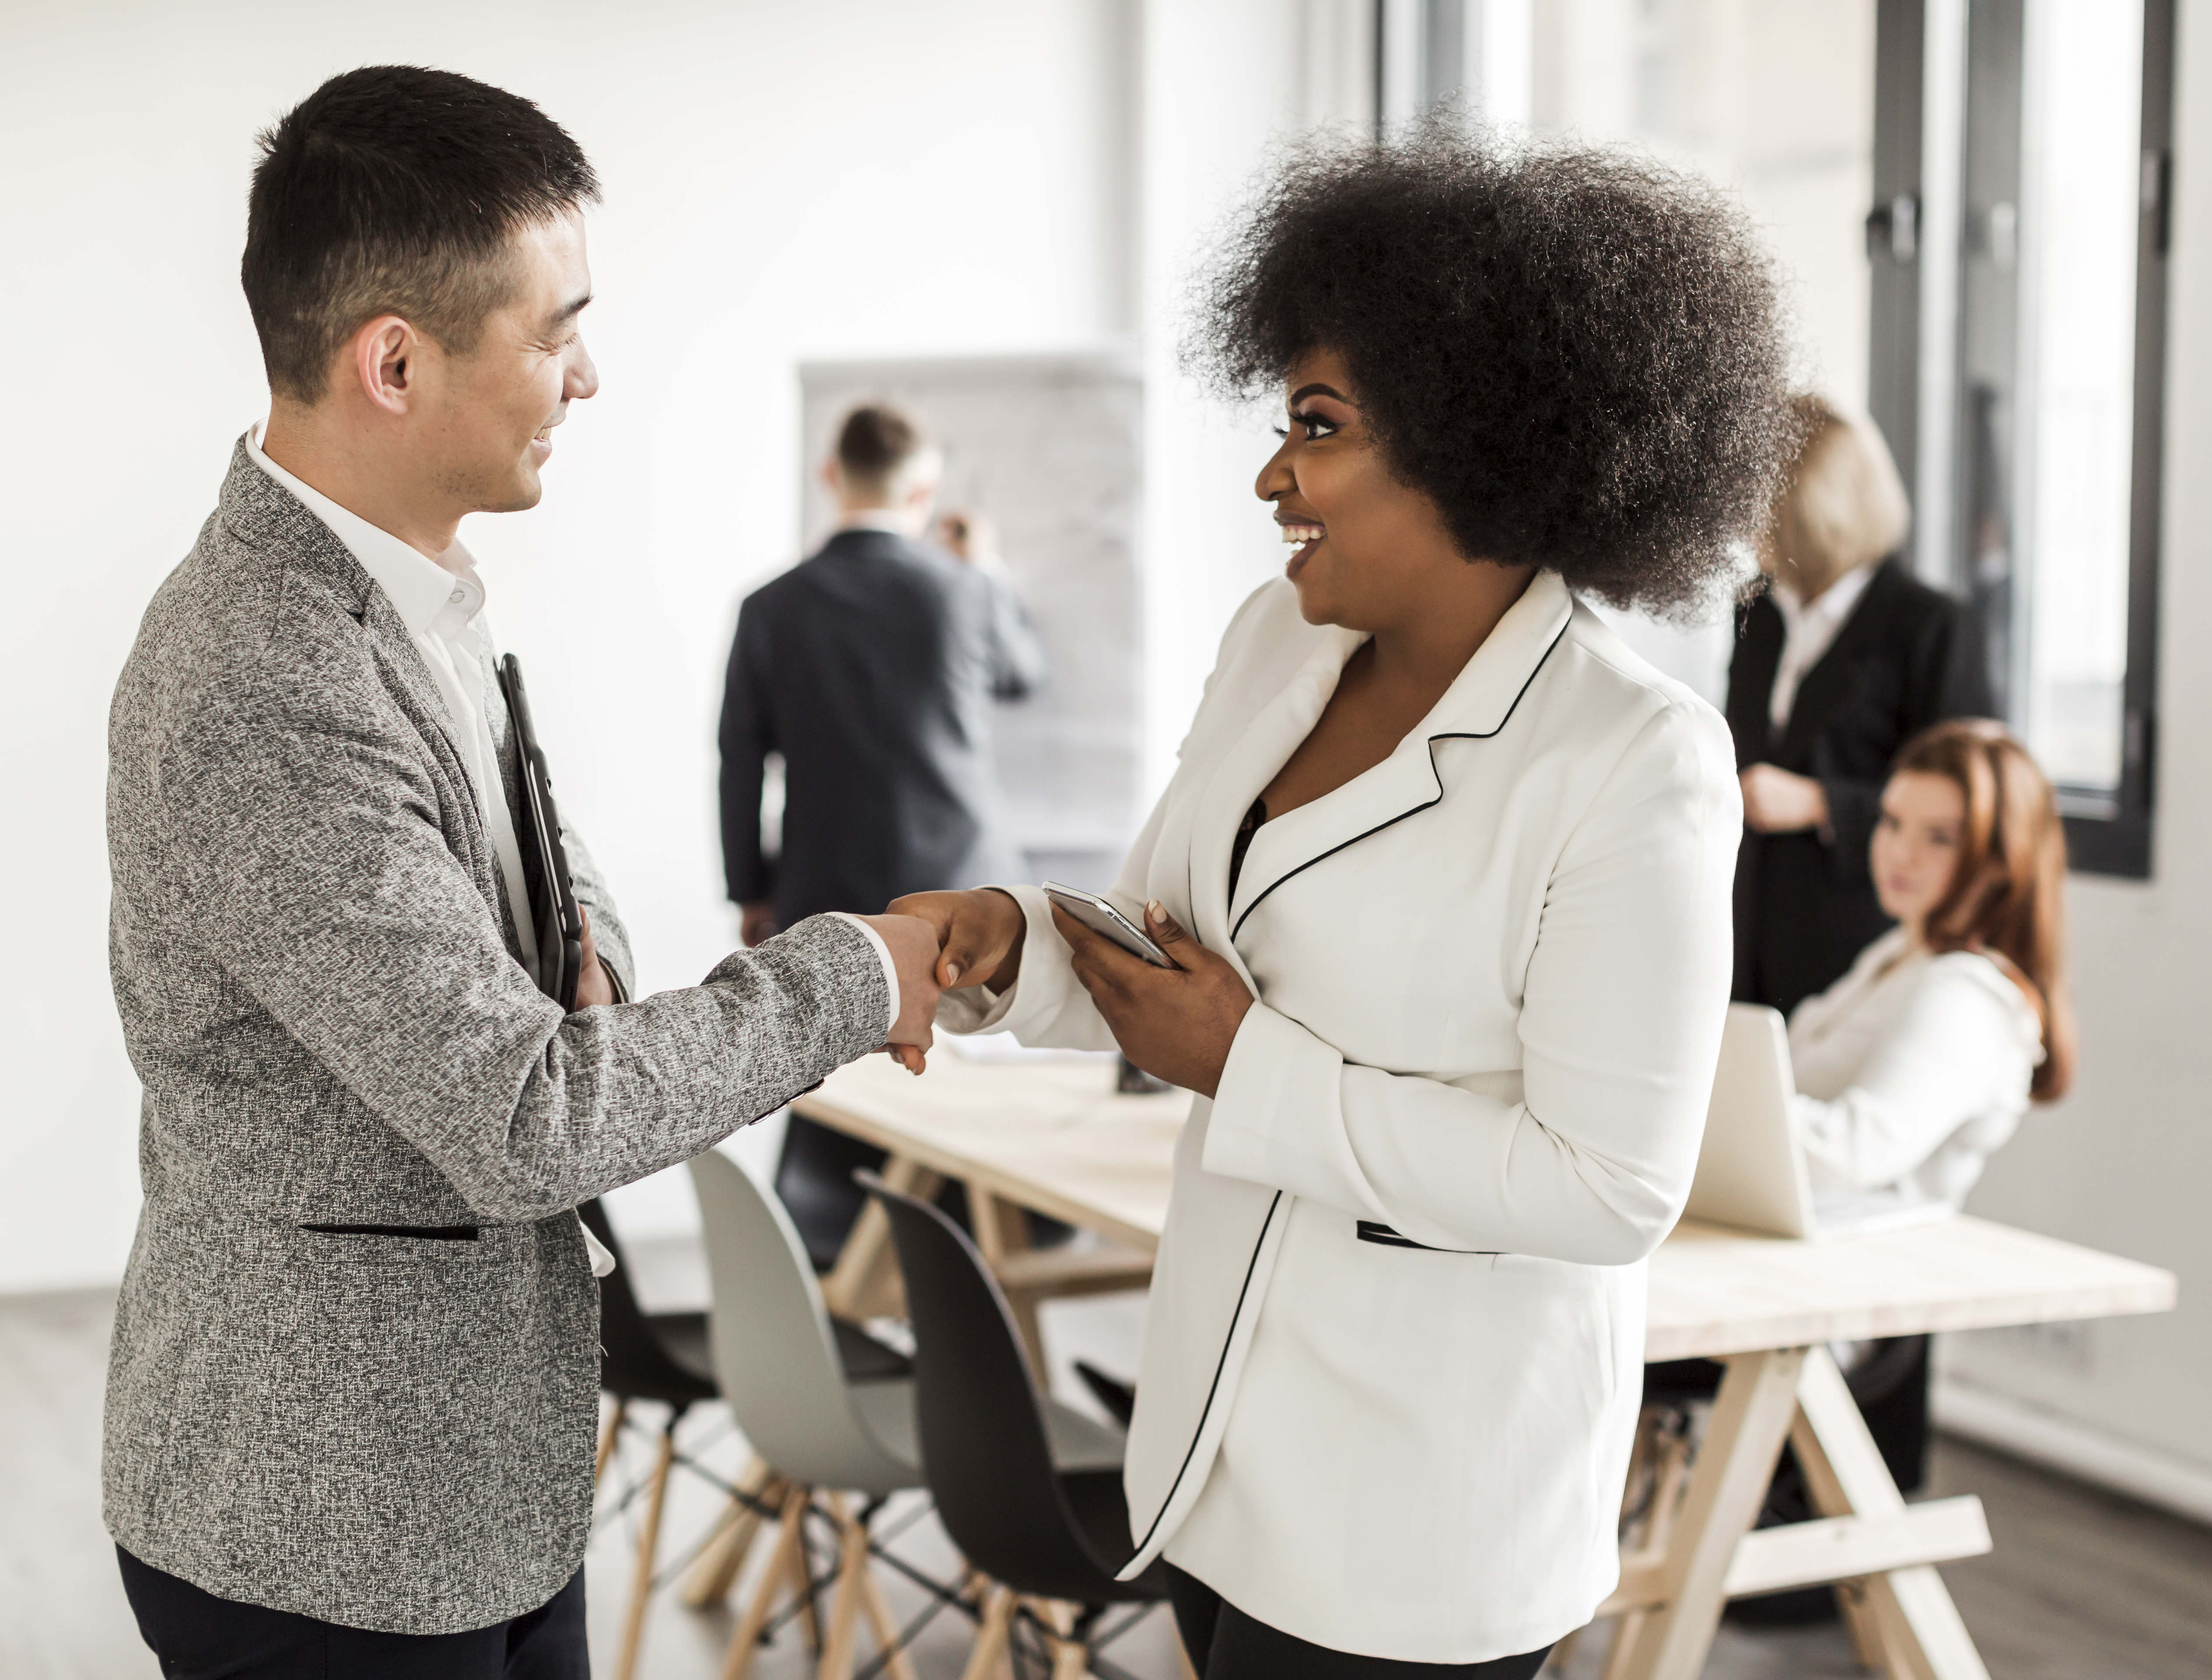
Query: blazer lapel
(1249, 765)
(1475, 706)
(262, 512)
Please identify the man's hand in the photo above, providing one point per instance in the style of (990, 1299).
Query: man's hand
(594, 985)
(968, 537)
(756, 921)
(1176, 1023)
(978, 935)
(1776, 802)
(913, 946)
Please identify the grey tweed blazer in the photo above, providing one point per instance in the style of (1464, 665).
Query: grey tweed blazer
(356, 1365)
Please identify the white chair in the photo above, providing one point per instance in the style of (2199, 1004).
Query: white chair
(828, 1410)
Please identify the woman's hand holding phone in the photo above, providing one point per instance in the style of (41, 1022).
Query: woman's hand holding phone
(1178, 1023)
(978, 935)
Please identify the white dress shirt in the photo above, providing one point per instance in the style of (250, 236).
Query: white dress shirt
(1912, 1070)
(1809, 630)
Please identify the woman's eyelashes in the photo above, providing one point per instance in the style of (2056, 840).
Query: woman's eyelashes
(1315, 427)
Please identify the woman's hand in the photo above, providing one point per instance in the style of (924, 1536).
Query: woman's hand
(978, 935)
(1778, 802)
(1176, 1023)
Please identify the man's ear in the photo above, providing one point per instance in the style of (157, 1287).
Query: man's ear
(386, 364)
(832, 479)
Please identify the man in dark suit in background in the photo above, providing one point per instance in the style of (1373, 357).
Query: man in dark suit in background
(871, 667)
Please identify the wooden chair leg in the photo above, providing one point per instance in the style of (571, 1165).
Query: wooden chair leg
(1070, 1658)
(745, 1642)
(723, 1559)
(607, 1438)
(896, 1663)
(989, 1655)
(837, 1662)
(648, 1545)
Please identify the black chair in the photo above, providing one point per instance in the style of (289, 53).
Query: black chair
(1029, 1489)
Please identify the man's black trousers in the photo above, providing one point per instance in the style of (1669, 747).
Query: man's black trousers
(198, 1636)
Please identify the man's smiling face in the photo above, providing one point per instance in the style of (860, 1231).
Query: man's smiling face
(493, 431)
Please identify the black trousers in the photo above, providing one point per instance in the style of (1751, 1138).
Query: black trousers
(1225, 1643)
(198, 1636)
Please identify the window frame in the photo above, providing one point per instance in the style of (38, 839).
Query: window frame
(1910, 139)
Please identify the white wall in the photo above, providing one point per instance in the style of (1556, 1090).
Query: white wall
(2126, 1162)
(782, 182)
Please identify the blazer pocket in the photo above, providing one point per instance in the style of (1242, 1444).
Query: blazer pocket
(1370, 1231)
(420, 1234)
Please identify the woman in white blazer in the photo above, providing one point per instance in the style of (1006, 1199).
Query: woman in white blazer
(1444, 874)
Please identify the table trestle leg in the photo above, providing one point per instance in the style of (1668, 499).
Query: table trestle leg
(1751, 1418)
(1916, 1626)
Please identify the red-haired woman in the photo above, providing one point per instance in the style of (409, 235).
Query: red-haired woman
(1917, 1065)
(1921, 1060)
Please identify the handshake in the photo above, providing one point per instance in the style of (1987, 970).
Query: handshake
(940, 941)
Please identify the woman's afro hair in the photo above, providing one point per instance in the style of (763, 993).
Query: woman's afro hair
(1578, 355)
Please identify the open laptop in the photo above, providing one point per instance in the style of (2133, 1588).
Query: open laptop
(1751, 1172)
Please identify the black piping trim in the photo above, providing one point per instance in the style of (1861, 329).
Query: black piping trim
(1449, 735)
(1369, 1231)
(427, 1233)
(1220, 1365)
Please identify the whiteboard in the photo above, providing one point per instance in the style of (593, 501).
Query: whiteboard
(1049, 448)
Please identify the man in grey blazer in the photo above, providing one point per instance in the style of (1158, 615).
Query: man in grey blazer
(352, 1393)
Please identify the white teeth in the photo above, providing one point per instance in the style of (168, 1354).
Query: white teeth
(1302, 533)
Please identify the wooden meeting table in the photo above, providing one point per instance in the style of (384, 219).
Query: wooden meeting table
(1052, 1135)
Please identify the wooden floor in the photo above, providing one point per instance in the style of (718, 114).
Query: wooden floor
(2083, 1584)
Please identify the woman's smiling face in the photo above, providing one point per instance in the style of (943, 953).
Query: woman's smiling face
(1369, 549)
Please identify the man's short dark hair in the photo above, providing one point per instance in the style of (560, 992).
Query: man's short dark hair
(395, 190)
(875, 443)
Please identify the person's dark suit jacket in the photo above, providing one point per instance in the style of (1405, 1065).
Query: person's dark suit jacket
(1805, 904)
(871, 667)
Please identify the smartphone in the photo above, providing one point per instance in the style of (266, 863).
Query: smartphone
(1101, 917)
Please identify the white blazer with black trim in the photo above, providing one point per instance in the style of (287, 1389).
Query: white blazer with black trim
(1395, 1347)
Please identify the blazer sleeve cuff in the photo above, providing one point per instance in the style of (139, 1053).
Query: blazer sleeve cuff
(1037, 994)
(1277, 1115)
(883, 957)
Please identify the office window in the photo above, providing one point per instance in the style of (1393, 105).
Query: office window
(2018, 354)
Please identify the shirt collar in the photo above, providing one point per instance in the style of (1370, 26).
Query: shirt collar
(420, 588)
(1831, 606)
(872, 519)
